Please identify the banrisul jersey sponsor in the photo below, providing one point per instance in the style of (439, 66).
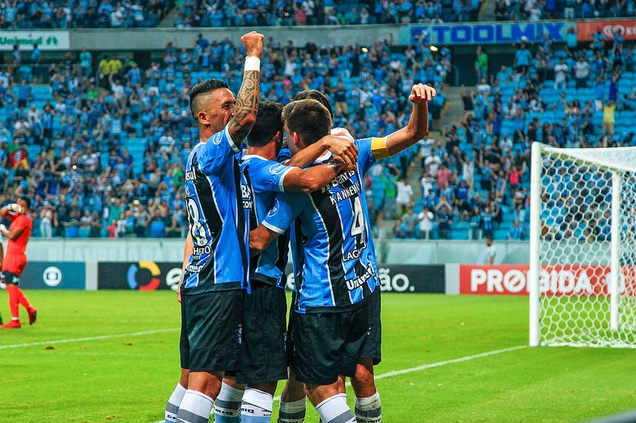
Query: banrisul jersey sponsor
(338, 268)
(215, 193)
(266, 177)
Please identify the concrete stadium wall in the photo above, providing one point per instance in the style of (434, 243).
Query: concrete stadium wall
(169, 250)
(156, 38)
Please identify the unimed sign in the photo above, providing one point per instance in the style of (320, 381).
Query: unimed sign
(556, 280)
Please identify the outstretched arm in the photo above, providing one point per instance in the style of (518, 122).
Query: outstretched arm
(340, 144)
(417, 128)
(249, 94)
(308, 180)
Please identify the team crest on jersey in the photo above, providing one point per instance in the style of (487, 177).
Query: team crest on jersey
(276, 169)
(274, 209)
(216, 138)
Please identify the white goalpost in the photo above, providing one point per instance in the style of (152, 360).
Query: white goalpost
(582, 274)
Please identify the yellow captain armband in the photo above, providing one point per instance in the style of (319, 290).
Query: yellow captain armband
(379, 148)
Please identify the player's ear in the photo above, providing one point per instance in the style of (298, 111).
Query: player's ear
(202, 118)
(296, 139)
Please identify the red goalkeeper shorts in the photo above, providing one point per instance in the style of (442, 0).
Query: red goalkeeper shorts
(14, 263)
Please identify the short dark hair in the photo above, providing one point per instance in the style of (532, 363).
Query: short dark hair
(201, 88)
(308, 118)
(315, 95)
(269, 121)
(27, 200)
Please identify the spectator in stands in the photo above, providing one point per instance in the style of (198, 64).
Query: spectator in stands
(609, 109)
(517, 232)
(389, 178)
(481, 64)
(425, 218)
(489, 253)
(399, 229)
(404, 195)
(411, 222)
(582, 72)
(445, 217)
(487, 224)
(522, 58)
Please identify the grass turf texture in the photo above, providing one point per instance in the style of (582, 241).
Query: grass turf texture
(72, 367)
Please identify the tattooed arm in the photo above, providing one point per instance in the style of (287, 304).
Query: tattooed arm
(249, 95)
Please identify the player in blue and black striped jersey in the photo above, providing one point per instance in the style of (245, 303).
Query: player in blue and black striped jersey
(264, 360)
(339, 274)
(216, 261)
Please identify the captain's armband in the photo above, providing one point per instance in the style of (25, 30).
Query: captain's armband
(379, 148)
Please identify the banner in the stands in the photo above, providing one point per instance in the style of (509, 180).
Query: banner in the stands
(585, 30)
(46, 40)
(490, 33)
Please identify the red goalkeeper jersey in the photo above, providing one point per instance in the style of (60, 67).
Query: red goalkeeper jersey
(18, 245)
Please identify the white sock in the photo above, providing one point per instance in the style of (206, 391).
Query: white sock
(257, 406)
(174, 401)
(195, 407)
(292, 412)
(227, 406)
(369, 409)
(335, 409)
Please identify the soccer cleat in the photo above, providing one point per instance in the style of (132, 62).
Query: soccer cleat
(33, 316)
(0, 320)
(13, 324)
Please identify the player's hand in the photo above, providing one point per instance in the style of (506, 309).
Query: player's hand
(253, 43)
(3, 228)
(14, 208)
(344, 149)
(179, 292)
(421, 93)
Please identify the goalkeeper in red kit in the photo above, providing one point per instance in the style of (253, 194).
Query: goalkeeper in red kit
(13, 262)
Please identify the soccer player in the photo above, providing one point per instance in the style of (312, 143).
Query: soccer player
(264, 319)
(13, 263)
(338, 296)
(215, 276)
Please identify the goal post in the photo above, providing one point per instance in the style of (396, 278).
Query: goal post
(582, 264)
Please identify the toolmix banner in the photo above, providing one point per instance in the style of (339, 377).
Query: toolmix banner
(489, 33)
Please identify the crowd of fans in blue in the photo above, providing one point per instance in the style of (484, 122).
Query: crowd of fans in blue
(106, 140)
(26, 14)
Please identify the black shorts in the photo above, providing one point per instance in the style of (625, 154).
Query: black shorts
(372, 347)
(211, 331)
(329, 344)
(291, 349)
(264, 335)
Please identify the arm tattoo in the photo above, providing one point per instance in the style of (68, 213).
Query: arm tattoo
(246, 107)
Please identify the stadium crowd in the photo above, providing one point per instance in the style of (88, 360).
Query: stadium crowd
(23, 14)
(26, 14)
(99, 143)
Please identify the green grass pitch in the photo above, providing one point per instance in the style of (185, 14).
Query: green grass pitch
(112, 356)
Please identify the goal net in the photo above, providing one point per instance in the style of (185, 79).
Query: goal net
(582, 276)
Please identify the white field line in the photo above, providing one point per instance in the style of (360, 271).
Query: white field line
(91, 338)
(380, 376)
(432, 365)
(438, 364)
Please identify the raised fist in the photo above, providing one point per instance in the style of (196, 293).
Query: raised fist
(421, 93)
(14, 208)
(253, 43)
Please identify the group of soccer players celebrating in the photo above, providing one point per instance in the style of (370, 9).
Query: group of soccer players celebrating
(246, 210)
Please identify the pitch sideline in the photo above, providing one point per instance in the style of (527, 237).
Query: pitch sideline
(91, 338)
